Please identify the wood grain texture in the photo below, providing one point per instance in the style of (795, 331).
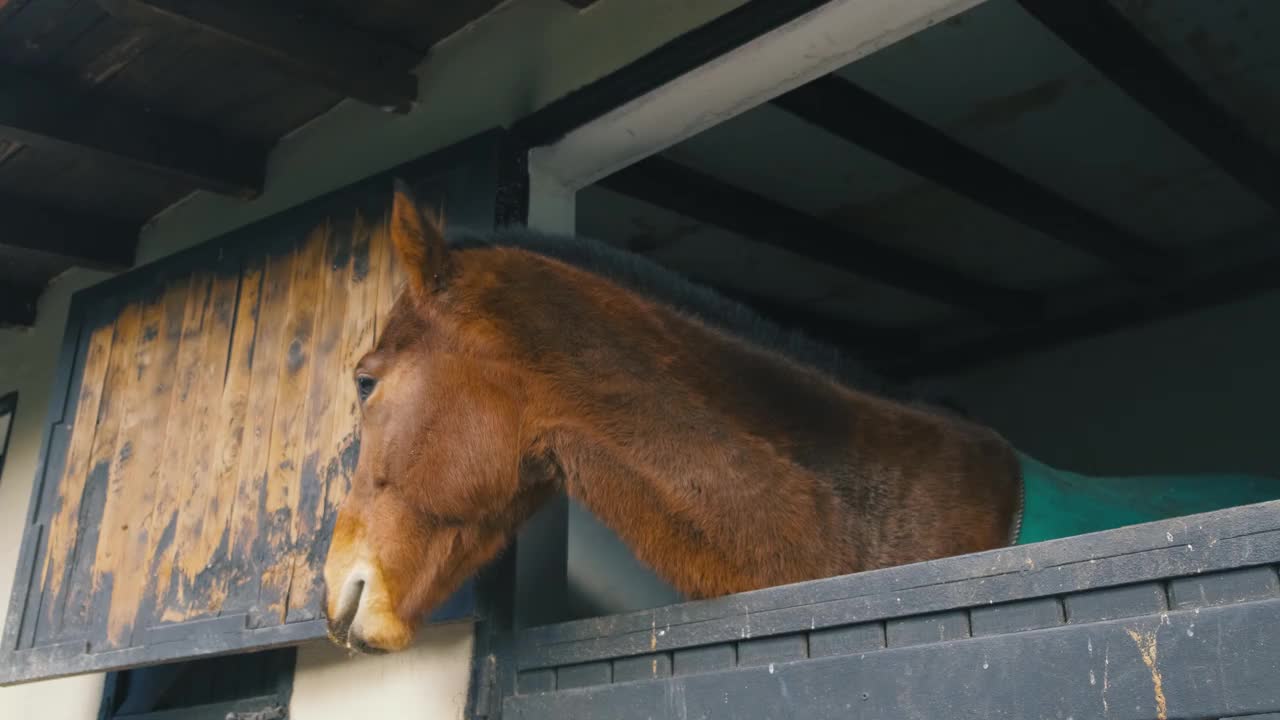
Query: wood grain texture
(213, 438)
(284, 472)
(64, 535)
(327, 376)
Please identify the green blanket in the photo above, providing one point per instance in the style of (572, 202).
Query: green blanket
(1060, 504)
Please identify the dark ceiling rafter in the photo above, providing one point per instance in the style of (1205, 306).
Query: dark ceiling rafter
(45, 114)
(852, 113)
(84, 240)
(1103, 36)
(1193, 292)
(690, 193)
(18, 306)
(351, 63)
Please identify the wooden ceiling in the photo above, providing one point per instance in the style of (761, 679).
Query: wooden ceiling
(111, 110)
(1026, 174)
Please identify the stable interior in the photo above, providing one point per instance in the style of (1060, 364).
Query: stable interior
(1097, 301)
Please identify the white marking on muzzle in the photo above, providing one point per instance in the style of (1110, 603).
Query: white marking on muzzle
(351, 597)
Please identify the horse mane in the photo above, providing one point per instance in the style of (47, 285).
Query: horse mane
(659, 284)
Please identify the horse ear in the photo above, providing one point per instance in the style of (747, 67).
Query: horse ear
(419, 240)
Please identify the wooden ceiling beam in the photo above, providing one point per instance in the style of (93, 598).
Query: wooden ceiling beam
(700, 197)
(48, 115)
(18, 306)
(852, 113)
(1104, 37)
(349, 62)
(83, 240)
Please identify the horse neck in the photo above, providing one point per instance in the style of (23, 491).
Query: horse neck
(723, 466)
(727, 467)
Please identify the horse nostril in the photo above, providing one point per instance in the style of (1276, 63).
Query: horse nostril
(347, 607)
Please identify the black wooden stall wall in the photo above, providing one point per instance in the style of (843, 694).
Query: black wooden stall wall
(203, 430)
(1175, 619)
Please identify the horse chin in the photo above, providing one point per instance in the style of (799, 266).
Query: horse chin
(378, 634)
(364, 619)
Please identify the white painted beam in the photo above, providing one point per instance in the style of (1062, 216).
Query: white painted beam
(806, 48)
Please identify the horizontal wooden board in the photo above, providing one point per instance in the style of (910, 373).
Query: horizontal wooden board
(1174, 619)
(1247, 536)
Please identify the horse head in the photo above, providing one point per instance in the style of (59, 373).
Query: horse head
(448, 465)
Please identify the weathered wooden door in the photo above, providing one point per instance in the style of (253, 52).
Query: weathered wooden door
(203, 431)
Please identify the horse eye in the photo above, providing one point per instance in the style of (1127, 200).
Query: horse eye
(365, 386)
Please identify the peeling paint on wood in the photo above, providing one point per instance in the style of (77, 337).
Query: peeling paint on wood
(64, 537)
(298, 343)
(214, 437)
(327, 375)
(198, 400)
(1148, 648)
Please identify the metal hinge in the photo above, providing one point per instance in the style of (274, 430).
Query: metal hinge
(272, 713)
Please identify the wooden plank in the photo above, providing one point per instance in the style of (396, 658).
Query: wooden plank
(46, 114)
(92, 578)
(248, 544)
(219, 514)
(123, 542)
(91, 241)
(1216, 663)
(84, 584)
(285, 454)
(860, 117)
(700, 197)
(138, 570)
(1238, 537)
(191, 556)
(66, 526)
(203, 562)
(1101, 34)
(327, 375)
(175, 464)
(310, 47)
(55, 661)
(236, 438)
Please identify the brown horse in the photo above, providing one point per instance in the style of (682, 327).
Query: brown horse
(505, 375)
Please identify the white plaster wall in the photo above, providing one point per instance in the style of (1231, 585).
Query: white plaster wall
(428, 680)
(517, 59)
